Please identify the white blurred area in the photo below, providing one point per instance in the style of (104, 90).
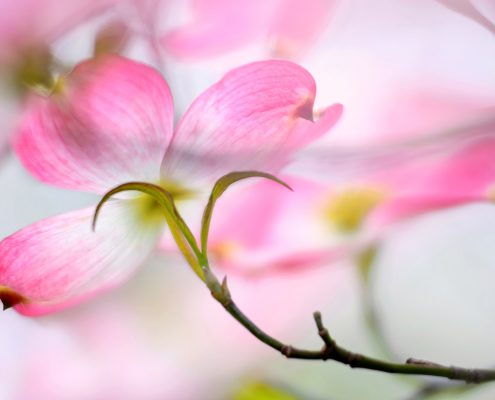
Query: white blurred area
(162, 337)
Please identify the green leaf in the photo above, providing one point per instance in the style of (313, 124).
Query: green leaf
(220, 187)
(180, 231)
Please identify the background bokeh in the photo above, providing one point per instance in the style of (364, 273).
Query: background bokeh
(399, 68)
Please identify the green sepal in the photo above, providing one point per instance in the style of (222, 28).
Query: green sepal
(180, 231)
(220, 187)
(111, 38)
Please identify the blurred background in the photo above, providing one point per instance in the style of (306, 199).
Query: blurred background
(401, 69)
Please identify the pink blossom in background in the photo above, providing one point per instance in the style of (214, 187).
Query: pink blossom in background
(433, 152)
(217, 26)
(27, 29)
(263, 229)
(110, 122)
(361, 190)
(37, 39)
(466, 176)
(27, 25)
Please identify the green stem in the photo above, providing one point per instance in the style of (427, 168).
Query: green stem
(198, 260)
(189, 253)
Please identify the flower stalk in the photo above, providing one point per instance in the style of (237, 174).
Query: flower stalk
(331, 350)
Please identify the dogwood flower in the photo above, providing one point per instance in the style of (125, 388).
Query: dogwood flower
(28, 29)
(262, 230)
(218, 26)
(110, 122)
(341, 212)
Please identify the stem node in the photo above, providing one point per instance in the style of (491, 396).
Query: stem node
(287, 351)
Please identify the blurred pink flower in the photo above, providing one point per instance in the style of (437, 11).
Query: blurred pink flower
(355, 193)
(110, 122)
(27, 25)
(263, 229)
(28, 28)
(463, 175)
(218, 26)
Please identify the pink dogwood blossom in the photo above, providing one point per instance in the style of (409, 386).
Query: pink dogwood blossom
(111, 121)
(263, 230)
(356, 193)
(219, 26)
(28, 29)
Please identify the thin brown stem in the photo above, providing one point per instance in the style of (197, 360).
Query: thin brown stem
(332, 351)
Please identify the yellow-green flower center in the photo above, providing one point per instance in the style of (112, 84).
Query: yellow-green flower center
(348, 208)
(33, 71)
(150, 212)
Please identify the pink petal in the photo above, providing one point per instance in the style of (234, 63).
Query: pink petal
(466, 176)
(487, 8)
(249, 213)
(218, 26)
(467, 173)
(60, 261)
(401, 208)
(111, 124)
(297, 24)
(392, 160)
(419, 111)
(253, 231)
(256, 117)
(481, 11)
(283, 261)
(452, 168)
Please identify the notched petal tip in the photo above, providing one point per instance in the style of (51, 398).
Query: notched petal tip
(304, 109)
(10, 298)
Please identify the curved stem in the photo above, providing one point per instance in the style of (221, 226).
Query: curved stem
(332, 351)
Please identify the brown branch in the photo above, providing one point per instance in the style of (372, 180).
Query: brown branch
(332, 351)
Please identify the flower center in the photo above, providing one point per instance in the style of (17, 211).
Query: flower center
(150, 211)
(33, 71)
(225, 249)
(348, 208)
